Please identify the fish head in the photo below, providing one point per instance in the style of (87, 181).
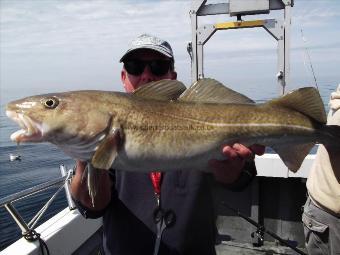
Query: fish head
(35, 117)
(64, 119)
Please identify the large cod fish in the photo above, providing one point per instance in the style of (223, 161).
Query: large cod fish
(164, 126)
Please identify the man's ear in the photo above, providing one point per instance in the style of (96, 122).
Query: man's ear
(123, 76)
(173, 75)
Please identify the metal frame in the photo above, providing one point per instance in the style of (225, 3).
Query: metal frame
(280, 30)
(7, 202)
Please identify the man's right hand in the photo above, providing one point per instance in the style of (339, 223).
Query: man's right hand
(80, 191)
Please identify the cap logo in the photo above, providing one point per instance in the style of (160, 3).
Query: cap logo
(143, 40)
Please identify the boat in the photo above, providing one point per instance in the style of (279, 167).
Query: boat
(273, 201)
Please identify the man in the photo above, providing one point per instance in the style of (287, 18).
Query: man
(321, 217)
(127, 200)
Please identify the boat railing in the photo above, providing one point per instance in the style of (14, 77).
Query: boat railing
(27, 228)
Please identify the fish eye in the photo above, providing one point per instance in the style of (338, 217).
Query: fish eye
(51, 102)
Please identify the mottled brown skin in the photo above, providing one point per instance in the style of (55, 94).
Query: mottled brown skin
(200, 118)
(162, 129)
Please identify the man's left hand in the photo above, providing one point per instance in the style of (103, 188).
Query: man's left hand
(228, 171)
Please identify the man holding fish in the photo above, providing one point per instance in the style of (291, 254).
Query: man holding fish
(127, 200)
(164, 125)
(161, 125)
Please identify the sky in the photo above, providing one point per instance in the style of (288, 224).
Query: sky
(48, 46)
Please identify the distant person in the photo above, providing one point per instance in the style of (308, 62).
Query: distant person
(127, 200)
(321, 217)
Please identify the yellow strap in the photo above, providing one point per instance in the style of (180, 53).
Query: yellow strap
(239, 24)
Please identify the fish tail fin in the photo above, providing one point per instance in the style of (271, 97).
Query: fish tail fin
(304, 100)
(293, 155)
(330, 135)
(308, 102)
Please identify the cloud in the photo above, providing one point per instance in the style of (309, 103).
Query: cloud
(79, 43)
(64, 23)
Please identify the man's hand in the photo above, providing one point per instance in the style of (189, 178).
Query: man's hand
(228, 171)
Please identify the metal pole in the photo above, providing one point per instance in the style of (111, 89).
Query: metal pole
(17, 218)
(287, 23)
(193, 17)
(31, 191)
(70, 202)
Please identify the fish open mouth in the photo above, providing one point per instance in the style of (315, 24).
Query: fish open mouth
(29, 132)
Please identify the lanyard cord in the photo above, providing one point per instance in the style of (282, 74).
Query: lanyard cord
(156, 179)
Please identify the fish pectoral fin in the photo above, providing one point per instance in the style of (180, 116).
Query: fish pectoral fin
(293, 155)
(91, 175)
(164, 90)
(305, 100)
(92, 181)
(107, 150)
(211, 91)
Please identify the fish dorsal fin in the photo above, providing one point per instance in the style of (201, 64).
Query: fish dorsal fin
(161, 90)
(293, 155)
(305, 100)
(211, 91)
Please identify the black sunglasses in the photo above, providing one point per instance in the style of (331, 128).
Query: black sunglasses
(157, 67)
